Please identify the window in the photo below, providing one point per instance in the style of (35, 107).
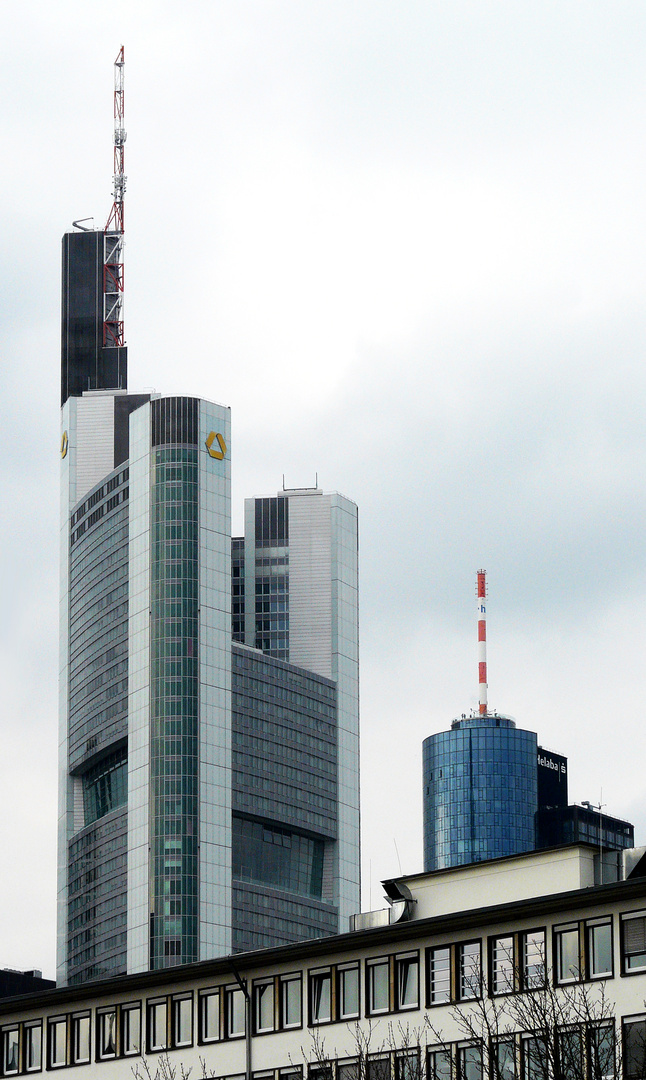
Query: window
(602, 1051)
(378, 1068)
(81, 1039)
(57, 1042)
(320, 996)
(634, 1032)
(106, 1034)
(378, 986)
(407, 1065)
(10, 1050)
(633, 945)
(407, 980)
(503, 1060)
(348, 981)
(469, 970)
(469, 1062)
(348, 1070)
(291, 1001)
(32, 1040)
(183, 1021)
(263, 1005)
(210, 1016)
(439, 976)
(566, 954)
(157, 1025)
(598, 942)
(534, 1058)
(130, 1030)
(570, 1053)
(502, 965)
(533, 959)
(235, 1012)
(439, 1064)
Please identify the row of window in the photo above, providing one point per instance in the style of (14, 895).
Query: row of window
(584, 1049)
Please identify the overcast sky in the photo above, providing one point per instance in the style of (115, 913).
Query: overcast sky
(406, 243)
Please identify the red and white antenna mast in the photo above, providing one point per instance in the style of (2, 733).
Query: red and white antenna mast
(482, 640)
(113, 232)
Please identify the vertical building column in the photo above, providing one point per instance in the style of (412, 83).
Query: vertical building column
(65, 783)
(139, 693)
(214, 635)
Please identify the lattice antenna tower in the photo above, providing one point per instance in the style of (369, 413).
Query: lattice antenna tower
(481, 582)
(113, 232)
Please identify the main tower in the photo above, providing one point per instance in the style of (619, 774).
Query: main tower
(208, 781)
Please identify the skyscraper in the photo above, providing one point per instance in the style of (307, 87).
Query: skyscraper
(208, 786)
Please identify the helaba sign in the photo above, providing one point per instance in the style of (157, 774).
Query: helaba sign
(550, 763)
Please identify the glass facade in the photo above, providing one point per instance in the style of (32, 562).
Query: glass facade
(480, 791)
(174, 686)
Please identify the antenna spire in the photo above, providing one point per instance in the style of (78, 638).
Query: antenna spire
(113, 233)
(482, 639)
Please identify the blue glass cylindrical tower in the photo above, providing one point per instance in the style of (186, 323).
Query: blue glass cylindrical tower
(480, 791)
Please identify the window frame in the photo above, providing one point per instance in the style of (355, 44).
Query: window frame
(126, 1011)
(444, 1050)
(283, 982)
(342, 970)
(462, 1050)
(629, 1022)
(319, 977)
(589, 927)
(54, 1023)
(374, 963)
(157, 1007)
(495, 1044)
(230, 1002)
(205, 994)
(433, 1000)
(101, 1013)
(10, 1029)
(532, 981)
(627, 917)
(559, 934)
(257, 986)
(462, 987)
(27, 1045)
(510, 957)
(411, 961)
(176, 1021)
(76, 1019)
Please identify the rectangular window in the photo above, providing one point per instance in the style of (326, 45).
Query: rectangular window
(57, 1043)
(634, 1039)
(534, 1058)
(598, 937)
(235, 1012)
(32, 1043)
(320, 996)
(469, 970)
(81, 1039)
(348, 1070)
(633, 934)
(533, 955)
(439, 1064)
(348, 979)
(378, 986)
(291, 1001)
(210, 1016)
(263, 1005)
(469, 1062)
(503, 1060)
(130, 1030)
(407, 980)
(407, 1065)
(157, 1025)
(10, 1051)
(602, 1052)
(378, 1068)
(106, 1034)
(566, 954)
(502, 965)
(570, 1053)
(183, 1021)
(439, 975)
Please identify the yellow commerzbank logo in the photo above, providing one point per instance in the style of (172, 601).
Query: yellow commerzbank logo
(64, 444)
(215, 437)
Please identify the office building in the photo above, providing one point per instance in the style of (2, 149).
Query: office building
(527, 959)
(489, 789)
(208, 792)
